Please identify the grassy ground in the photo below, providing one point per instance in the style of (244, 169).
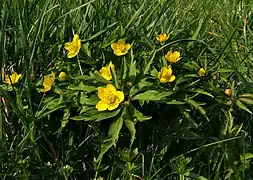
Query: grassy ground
(195, 130)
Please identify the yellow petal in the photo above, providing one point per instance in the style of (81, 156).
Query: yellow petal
(114, 46)
(106, 73)
(172, 78)
(76, 38)
(119, 53)
(122, 41)
(169, 71)
(62, 76)
(110, 87)
(111, 65)
(120, 95)
(201, 72)
(128, 46)
(159, 75)
(102, 106)
(163, 80)
(113, 106)
(72, 54)
(68, 46)
(101, 93)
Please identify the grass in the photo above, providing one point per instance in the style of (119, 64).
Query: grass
(187, 130)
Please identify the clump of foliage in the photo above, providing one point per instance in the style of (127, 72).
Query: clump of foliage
(126, 89)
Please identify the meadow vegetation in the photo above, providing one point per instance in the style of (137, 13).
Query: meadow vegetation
(126, 89)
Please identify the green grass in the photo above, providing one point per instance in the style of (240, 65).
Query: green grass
(187, 130)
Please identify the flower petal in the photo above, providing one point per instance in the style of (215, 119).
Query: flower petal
(114, 46)
(169, 71)
(102, 106)
(118, 52)
(72, 54)
(101, 93)
(75, 39)
(128, 46)
(172, 78)
(68, 46)
(121, 41)
(113, 106)
(110, 87)
(163, 80)
(120, 95)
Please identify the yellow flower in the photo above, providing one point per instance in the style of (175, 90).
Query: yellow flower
(173, 57)
(62, 76)
(228, 92)
(73, 47)
(201, 72)
(162, 37)
(165, 75)
(48, 82)
(120, 48)
(109, 97)
(106, 71)
(12, 79)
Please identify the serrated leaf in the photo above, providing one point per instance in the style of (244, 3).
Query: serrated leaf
(242, 106)
(152, 95)
(88, 100)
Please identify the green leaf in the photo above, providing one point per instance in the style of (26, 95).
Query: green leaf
(247, 95)
(152, 95)
(114, 78)
(242, 106)
(201, 91)
(102, 31)
(112, 137)
(82, 87)
(49, 107)
(197, 106)
(88, 100)
(194, 175)
(65, 120)
(175, 102)
(82, 77)
(96, 76)
(147, 66)
(96, 115)
(132, 69)
(246, 100)
(130, 126)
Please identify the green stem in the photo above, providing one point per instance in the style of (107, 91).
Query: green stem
(181, 177)
(79, 65)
